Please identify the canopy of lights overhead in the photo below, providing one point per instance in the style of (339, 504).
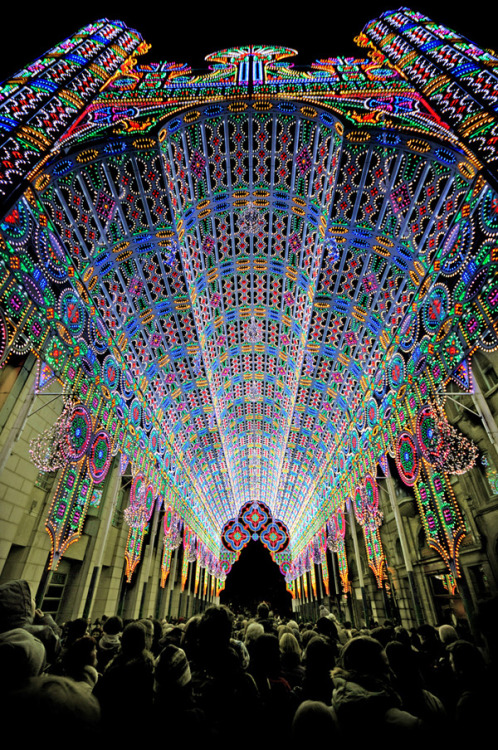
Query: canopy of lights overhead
(254, 284)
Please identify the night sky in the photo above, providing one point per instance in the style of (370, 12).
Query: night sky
(255, 578)
(186, 32)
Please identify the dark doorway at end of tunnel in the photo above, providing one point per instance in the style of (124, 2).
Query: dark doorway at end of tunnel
(255, 578)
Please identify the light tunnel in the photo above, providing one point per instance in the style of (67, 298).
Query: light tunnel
(254, 287)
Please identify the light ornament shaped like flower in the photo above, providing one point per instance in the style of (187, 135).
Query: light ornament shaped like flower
(250, 219)
(450, 451)
(192, 551)
(136, 514)
(253, 393)
(47, 449)
(254, 334)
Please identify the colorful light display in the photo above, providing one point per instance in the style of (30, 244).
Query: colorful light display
(254, 284)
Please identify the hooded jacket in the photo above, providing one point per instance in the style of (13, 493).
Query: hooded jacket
(363, 704)
(16, 605)
(17, 611)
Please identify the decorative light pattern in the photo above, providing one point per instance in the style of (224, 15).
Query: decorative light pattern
(48, 450)
(254, 283)
(255, 522)
(491, 474)
(441, 443)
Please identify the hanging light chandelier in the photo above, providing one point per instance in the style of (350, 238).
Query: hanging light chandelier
(250, 219)
(47, 449)
(136, 514)
(254, 334)
(446, 447)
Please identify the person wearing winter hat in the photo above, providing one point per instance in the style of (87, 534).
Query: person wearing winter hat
(171, 671)
(22, 656)
(51, 702)
(109, 644)
(173, 704)
(28, 639)
(18, 610)
(80, 661)
(363, 698)
(447, 634)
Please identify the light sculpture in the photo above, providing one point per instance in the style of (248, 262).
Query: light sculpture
(255, 281)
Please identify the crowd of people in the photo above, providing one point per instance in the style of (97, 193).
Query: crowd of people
(235, 678)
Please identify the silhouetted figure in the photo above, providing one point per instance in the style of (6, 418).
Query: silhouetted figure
(364, 701)
(219, 679)
(110, 642)
(127, 681)
(319, 660)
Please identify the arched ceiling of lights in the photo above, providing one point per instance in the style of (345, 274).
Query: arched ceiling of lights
(253, 282)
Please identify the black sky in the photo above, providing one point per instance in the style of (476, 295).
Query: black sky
(255, 578)
(187, 32)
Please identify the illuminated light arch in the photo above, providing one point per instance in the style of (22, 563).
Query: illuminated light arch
(255, 281)
(255, 522)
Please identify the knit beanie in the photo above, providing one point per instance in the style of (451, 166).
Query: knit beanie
(172, 669)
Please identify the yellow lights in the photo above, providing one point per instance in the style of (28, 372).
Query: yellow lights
(87, 156)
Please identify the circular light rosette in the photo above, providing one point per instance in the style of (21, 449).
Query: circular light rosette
(72, 312)
(149, 500)
(285, 567)
(396, 372)
(275, 537)
(435, 308)
(172, 529)
(111, 373)
(406, 458)
(154, 441)
(489, 213)
(354, 441)
(371, 494)
(428, 433)
(135, 413)
(254, 516)
(372, 412)
(100, 456)
(17, 225)
(78, 433)
(136, 484)
(359, 506)
(235, 536)
(337, 524)
(168, 520)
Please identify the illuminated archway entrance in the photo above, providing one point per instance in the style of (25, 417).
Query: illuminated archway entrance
(254, 286)
(255, 578)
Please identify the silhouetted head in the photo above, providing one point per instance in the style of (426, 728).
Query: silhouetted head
(365, 655)
(113, 625)
(133, 640)
(215, 630)
(263, 611)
